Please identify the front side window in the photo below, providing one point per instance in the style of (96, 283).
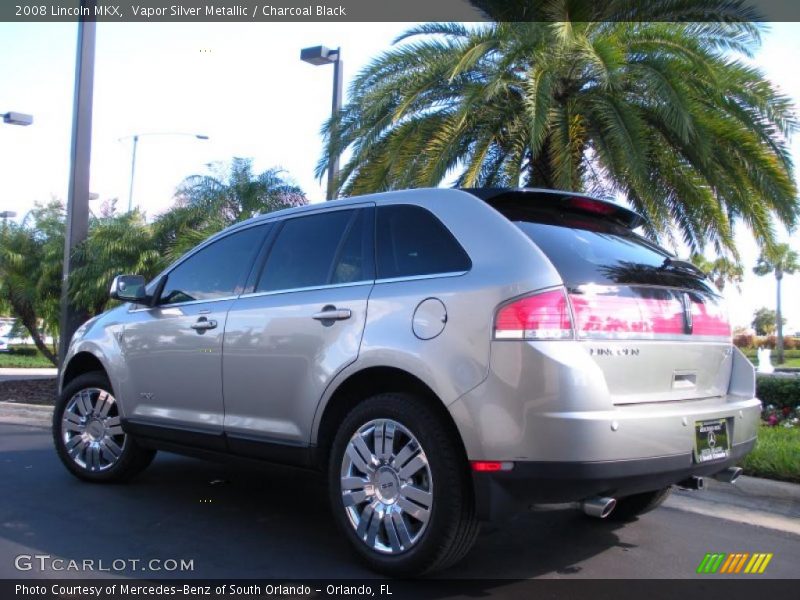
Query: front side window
(217, 271)
(411, 241)
(322, 249)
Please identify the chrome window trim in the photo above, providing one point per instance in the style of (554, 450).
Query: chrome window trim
(310, 288)
(179, 304)
(421, 277)
(352, 284)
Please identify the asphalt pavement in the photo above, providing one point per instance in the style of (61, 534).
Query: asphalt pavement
(272, 522)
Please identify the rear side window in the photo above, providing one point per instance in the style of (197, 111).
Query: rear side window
(593, 251)
(412, 241)
(322, 249)
(216, 271)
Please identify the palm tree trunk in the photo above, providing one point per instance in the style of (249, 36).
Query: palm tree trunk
(779, 341)
(29, 322)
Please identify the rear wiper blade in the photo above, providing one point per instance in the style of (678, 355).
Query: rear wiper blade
(682, 265)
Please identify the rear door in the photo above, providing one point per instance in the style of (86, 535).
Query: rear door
(298, 327)
(658, 329)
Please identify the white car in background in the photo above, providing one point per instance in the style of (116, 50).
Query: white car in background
(3, 345)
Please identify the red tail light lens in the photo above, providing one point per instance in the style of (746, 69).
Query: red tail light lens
(710, 318)
(612, 312)
(491, 466)
(543, 316)
(624, 313)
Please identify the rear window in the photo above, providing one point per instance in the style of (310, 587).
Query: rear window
(587, 251)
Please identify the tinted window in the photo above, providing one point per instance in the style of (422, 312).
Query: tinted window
(412, 241)
(216, 271)
(593, 251)
(321, 249)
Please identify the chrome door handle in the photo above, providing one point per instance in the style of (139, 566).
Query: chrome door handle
(203, 324)
(331, 313)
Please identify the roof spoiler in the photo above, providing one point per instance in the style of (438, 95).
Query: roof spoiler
(542, 199)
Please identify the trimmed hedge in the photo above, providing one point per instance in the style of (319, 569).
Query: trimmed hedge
(779, 391)
(23, 351)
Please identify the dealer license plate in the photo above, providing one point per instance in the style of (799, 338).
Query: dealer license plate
(711, 440)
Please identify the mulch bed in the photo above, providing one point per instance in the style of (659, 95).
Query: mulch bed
(29, 391)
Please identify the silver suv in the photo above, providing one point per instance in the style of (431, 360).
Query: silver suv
(447, 356)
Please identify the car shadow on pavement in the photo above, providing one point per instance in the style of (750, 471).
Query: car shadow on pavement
(234, 521)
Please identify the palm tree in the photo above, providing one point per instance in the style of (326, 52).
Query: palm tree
(206, 204)
(722, 270)
(781, 260)
(30, 272)
(115, 244)
(661, 112)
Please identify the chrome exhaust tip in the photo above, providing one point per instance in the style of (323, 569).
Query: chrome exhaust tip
(729, 475)
(692, 483)
(598, 507)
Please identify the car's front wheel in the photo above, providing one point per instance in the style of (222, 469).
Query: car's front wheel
(88, 433)
(399, 486)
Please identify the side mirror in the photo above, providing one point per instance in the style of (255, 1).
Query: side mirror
(129, 288)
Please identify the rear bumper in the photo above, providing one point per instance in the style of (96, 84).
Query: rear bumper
(500, 494)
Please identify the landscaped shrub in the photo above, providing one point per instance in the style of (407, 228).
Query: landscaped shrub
(22, 351)
(744, 340)
(781, 399)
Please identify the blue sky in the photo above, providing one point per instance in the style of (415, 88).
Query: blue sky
(241, 84)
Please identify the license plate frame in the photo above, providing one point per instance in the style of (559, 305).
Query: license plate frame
(712, 440)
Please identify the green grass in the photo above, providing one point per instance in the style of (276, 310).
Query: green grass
(18, 361)
(791, 357)
(776, 455)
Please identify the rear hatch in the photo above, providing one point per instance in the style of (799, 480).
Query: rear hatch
(654, 325)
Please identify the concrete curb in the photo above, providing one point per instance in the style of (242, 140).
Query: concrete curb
(19, 413)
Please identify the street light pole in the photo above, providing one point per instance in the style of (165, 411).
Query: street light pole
(77, 225)
(133, 172)
(336, 106)
(135, 137)
(320, 55)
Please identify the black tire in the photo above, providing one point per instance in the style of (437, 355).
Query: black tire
(630, 507)
(132, 458)
(452, 526)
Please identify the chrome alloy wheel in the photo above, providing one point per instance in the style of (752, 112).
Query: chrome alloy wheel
(386, 486)
(91, 430)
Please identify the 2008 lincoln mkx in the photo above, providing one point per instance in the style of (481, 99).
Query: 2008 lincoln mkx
(446, 356)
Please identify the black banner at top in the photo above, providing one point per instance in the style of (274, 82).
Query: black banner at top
(396, 10)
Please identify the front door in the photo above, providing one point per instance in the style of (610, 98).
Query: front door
(173, 350)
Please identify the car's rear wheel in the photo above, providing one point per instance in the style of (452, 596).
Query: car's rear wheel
(630, 507)
(399, 486)
(88, 434)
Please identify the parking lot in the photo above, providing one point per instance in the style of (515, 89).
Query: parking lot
(236, 522)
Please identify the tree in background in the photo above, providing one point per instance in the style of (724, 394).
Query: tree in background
(781, 260)
(646, 102)
(721, 270)
(764, 320)
(206, 204)
(31, 253)
(30, 272)
(116, 244)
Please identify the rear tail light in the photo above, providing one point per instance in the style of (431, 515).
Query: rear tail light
(709, 318)
(543, 316)
(611, 312)
(625, 313)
